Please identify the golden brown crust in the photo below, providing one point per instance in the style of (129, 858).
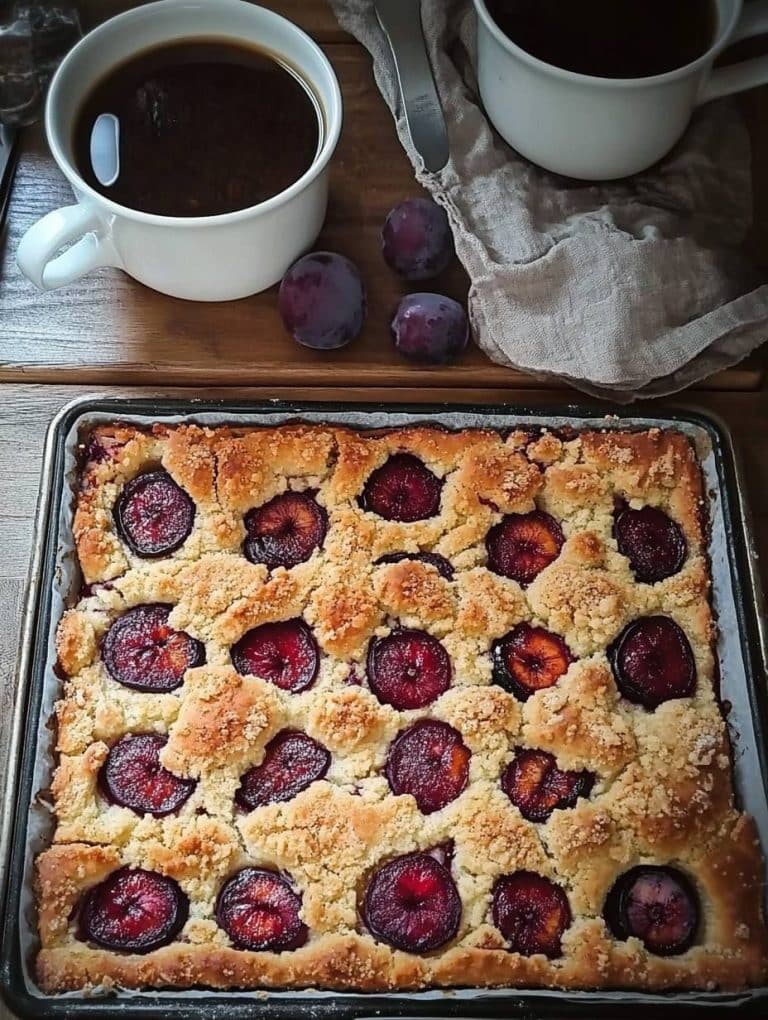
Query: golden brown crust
(580, 720)
(662, 791)
(222, 716)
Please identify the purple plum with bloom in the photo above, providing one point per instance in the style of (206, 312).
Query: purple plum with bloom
(430, 328)
(416, 240)
(322, 301)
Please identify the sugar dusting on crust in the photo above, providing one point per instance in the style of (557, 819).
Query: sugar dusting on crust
(662, 780)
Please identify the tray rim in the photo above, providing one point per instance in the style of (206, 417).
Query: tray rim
(430, 1004)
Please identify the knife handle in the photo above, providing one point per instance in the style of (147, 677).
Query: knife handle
(423, 112)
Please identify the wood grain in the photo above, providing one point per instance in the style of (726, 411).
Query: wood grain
(26, 410)
(108, 329)
(314, 16)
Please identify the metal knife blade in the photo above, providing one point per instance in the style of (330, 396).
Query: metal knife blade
(401, 22)
(8, 152)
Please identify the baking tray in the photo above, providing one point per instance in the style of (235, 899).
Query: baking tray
(742, 648)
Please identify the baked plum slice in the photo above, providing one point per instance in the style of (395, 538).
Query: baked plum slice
(154, 515)
(658, 905)
(284, 653)
(430, 761)
(531, 912)
(443, 566)
(522, 545)
(653, 543)
(292, 762)
(653, 662)
(133, 777)
(529, 659)
(408, 669)
(412, 904)
(536, 786)
(133, 910)
(286, 530)
(259, 910)
(402, 489)
(141, 650)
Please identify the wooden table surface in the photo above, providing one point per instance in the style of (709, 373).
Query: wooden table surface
(108, 329)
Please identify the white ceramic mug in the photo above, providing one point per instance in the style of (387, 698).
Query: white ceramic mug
(604, 128)
(204, 258)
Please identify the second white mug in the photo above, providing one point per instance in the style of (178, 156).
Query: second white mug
(605, 128)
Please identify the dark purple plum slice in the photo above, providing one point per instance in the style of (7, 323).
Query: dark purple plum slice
(284, 653)
(412, 904)
(430, 761)
(529, 659)
(443, 566)
(402, 489)
(531, 913)
(292, 762)
(141, 650)
(536, 786)
(286, 530)
(259, 910)
(133, 910)
(657, 905)
(154, 515)
(653, 662)
(522, 545)
(133, 777)
(653, 543)
(408, 669)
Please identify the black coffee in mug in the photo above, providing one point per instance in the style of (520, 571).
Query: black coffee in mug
(610, 38)
(197, 127)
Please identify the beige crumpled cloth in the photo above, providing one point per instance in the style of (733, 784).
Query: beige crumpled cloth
(625, 290)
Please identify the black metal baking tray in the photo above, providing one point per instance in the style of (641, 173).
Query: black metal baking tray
(745, 625)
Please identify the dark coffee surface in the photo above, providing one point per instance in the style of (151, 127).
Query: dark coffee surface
(610, 38)
(205, 127)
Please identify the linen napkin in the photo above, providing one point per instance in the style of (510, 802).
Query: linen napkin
(624, 290)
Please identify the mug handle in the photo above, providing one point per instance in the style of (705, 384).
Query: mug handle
(724, 81)
(36, 254)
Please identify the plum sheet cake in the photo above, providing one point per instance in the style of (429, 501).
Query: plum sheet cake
(394, 709)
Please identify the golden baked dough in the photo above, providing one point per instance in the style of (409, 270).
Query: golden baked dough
(662, 788)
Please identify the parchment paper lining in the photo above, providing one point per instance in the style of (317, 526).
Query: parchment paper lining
(748, 778)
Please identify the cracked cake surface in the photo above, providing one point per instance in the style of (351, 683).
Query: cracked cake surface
(393, 709)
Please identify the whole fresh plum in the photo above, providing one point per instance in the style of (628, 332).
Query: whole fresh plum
(322, 300)
(416, 239)
(430, 328)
